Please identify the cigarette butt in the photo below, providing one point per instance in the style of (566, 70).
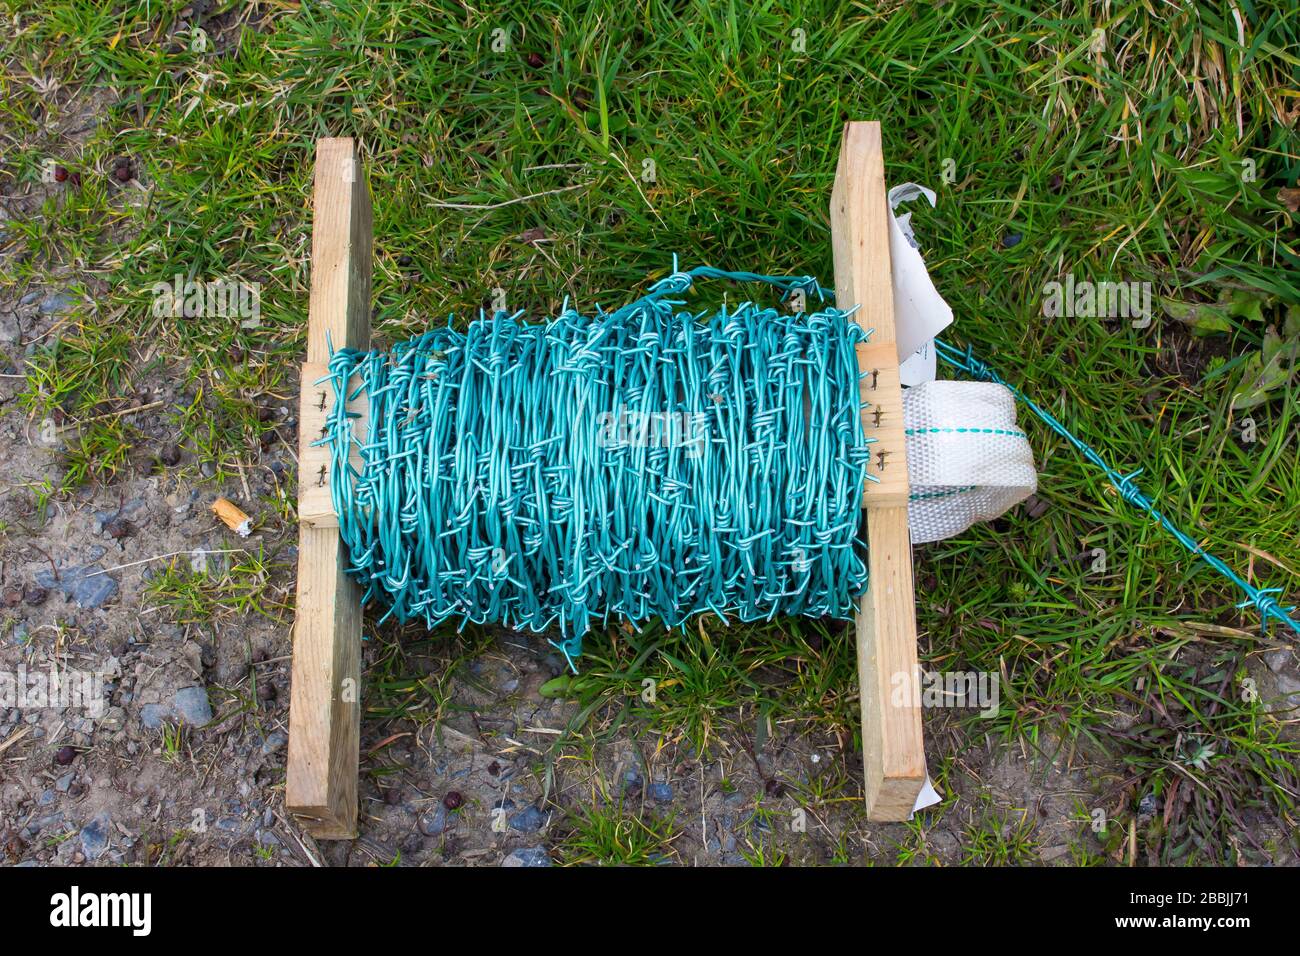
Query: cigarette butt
(233, 516)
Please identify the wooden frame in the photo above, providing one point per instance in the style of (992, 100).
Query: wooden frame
(325, 700)
(325, 706)
(893, 752)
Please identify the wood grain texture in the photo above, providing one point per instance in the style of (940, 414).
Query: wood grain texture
(315, 404)
(860, 243)
(325, 701)
(893, 749)
(892, 745)
(342, 252)
(315, 503)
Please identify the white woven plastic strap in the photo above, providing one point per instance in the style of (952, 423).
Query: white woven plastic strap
(966, 459)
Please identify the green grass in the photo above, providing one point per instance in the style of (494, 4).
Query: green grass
(195, 593)
(613, 836)
(173, 742)
(1123, 162)
(999, 839)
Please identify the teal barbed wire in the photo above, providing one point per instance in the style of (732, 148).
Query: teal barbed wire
(1125, 484)
(383, 507)
(497, 484)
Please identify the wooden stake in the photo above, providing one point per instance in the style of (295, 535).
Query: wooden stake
(892, 747)
(325, 702)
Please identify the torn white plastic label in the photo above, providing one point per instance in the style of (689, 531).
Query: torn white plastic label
(920, 313)
(928, 796)
(920, 368)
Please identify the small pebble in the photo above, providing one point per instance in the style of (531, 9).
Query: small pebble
(632, 784)
(193, 706)
(433, 821)
(65, 755)
(153, 716)
(170, 454)
(1011, 240)
(528, 856)
(1276, 660)
(660, 792)
(529, 820)
(94, 836)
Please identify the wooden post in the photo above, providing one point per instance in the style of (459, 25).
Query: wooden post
(325, 702)
(892, 748)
